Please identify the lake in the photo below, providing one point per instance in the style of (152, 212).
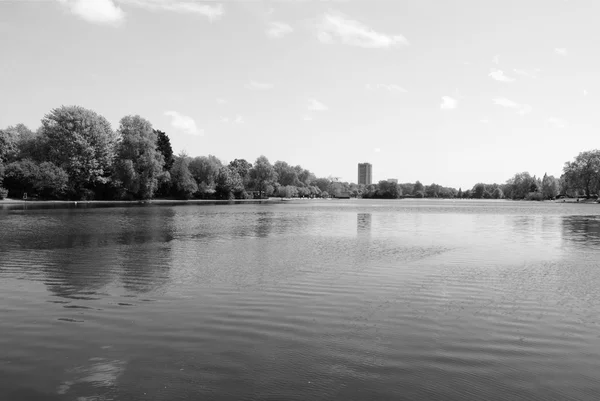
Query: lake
(303, 300)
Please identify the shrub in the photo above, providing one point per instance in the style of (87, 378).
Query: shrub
(537, 196)
(3, 193)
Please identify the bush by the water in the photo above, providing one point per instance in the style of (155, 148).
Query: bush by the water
(535, 196)
(3, 193)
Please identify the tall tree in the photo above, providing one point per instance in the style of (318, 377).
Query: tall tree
(139, 165)
(163, 145)
(81, 142)
(478, 191)
(183, 183)
(583, 173)
(229, 183)
(205, 169)
(242, 167)
(418, 189)
(550, 187)
(262, 174)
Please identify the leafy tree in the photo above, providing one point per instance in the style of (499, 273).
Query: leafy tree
(8, 145)
(407, 188)
(242, 167)
(139, 165)
(584, 172)
(205, 169)
(45, 179)
(51, 181)
(460, 194)
(184, 184)
(286, 174)
(497, 194)
(163, 145)
(433, 190)
(550, 187)
(388, 190)
(229, 184)
(81, 142)
(478, 191)
(418, 188)
(263, 174)
(519, 186)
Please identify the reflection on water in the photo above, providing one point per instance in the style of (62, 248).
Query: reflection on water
(307, 300)
(584, 230)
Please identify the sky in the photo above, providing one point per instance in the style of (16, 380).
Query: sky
(447, 92)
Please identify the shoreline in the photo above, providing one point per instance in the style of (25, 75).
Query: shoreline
(11, 201)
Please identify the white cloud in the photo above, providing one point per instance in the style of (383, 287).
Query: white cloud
(496, 59)
(534, 74)
(557, 122)
(260, 86)
(221, 101)
(388, 87)
(585, 92)
(239, 119)
(96, 11)
(307, 118)
(484, 121)
(448, 103)
(522, 109)
(210, 11)
(278, 29)
(315, 105)
(224, 120)
(183, 123)
(336, 28)
(377, 150)
(561, 51)
(498, 75)
(109, 12)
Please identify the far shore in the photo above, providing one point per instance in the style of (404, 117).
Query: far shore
(12, 201)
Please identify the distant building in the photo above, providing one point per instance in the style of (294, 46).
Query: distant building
(365, 174)
(393, 180)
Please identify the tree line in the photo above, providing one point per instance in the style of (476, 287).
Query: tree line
(75, 154)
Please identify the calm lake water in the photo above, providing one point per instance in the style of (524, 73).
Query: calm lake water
(307, 300)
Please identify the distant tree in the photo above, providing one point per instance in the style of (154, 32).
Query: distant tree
(229, 184)
(286, 174)
(45, 180)
(388, 190)
(52, 181)
(407, 188)
(205, 170)
(163, 145)
(550, 187)
(139, 165)
(82, 143)
(183, 183)
(583, 173)
(433, 190)
(478, 191)
(288, 191)
(418, 188)
(263, 174)
(497, 194)
(521, 185)
(322, 184)
(8, 145)
(242, 167)
(460, 194)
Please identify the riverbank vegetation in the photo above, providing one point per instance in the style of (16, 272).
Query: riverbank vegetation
(75, 154)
